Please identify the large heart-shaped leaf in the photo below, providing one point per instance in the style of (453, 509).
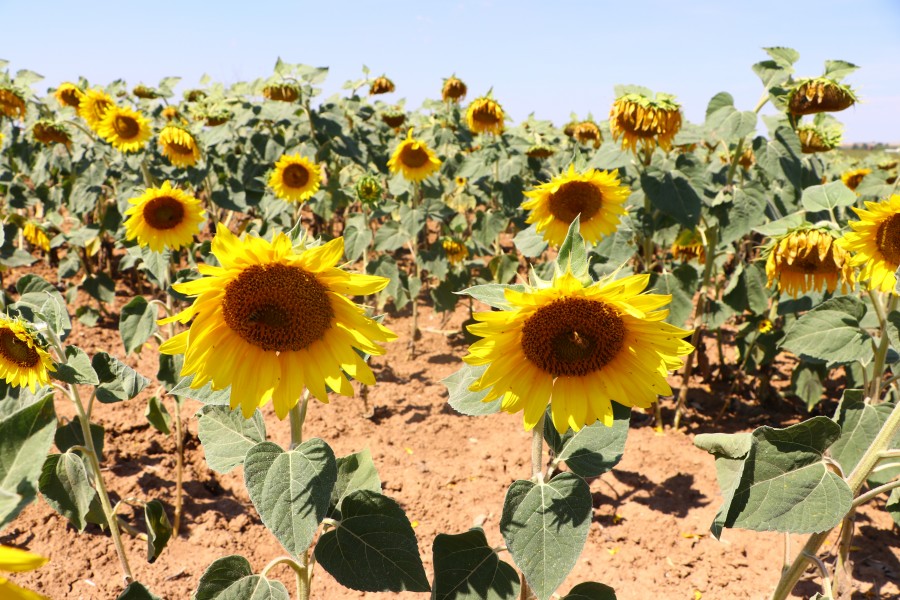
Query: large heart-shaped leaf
(226, 435)
(467, 568)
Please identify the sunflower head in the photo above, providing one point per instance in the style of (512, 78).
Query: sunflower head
(747, 159)
(597, 196)
(887, 164)
(569, 128)
(485, 115)
(638, 119)
(170, 113)
(163, 217)
(12, 102)
(125, 129)
(36, 236)
(68, 94)
(587, 132)
(381, 85)
(460, 181)
(295, 178)
(875, 243)
(454, 90)
(819, 94)
(814, 138)
(194, 95)
(688, 246)
(540, 151)
(394, 118)
(144, 92)
(93, 107)
(765, 326)
(854, 177)
(24, 357)
(455, 250)
(413, 159)
(369, 190)
(179, 146)
(50, 132)
(807, 259)
(282, 92)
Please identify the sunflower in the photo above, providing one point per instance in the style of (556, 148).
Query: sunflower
(887, 164)
(68, 94)
(36, 236)
(455, 250)
(808, 259)
(125, 129)
(595, 195)
(164, 217)
(540, 151)
(49, 133)
(179, 146)
(169, 113)
(12, 102)
(875, 243)
(648, 121)
(14, 560)
(93, 107)
(819, 94)
(765, 326)
(194, 95)
(587, 132)
(282, 92)
(485, 115)
(854, 177)
(381, 85)
(688, 246)
(460, 181)
(24, 360)
(147, 93)
(393, 118)
(295, 178)
(414, 159)
(368, 189)
(578, 347)
(454, 90)
(818, 139)
(271, 321)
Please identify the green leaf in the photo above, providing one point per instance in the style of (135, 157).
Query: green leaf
(739, 217)
(893, 505)
(591, 590)
(680, 284)
(373, 548)
(137, 323)
(354, 472)
(159, 529)
(465, 401)
(831, 336)
(572, 256)
(100, 287)
(204, 394)
(827, 197)
(220, 575)
(492, 294)
(158, 416)
(780, 157)
(806, 383)
(71, 434)
(860, 423)
(729, 124)
(65, 485)
(136, 591)
(467, 568)
(785, 57)
(226, 436)
(529, 242)
(504, 267)
(838, 69)
(545, 526)
(594, 449)
(291, 490)
(357, 237)
(77, 369)
(672, 193)
(118, 381)
(25, 439)
(255, 587)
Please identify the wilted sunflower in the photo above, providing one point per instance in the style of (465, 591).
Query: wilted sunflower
(454, 89)
(282, 92)
(125, 129)
(393, 118)
(295, 178)
(36, 236)
(179, 146)
(540, 151)
(648, 121)
(147, 93)
(271, 321)
(164, 217)
(818, 139)
(455, 250)
(413, 159)
(854, 177)
(808, 259)
(381, 85)
(587, 132)
(688, 246)
(578, 347)
(68, 94)
(24, 360)
(819, 94)
(875, 243)
(12, 102)
(887, 164)
(485, 115)
(595, 195)
(194, 95)
(368, 189)
(49, 133)
(14, 560)
(93, 107)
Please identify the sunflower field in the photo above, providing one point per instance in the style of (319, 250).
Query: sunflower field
(235, 259)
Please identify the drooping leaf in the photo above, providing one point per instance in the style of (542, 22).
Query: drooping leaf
(159, 529)
(354, 472)
(591, 590)
(137, 323)
(118, 381)
(158, 415)
(594, 449)
(65, 485)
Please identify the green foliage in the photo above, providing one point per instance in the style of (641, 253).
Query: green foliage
(594, 449)
(466, 568)
(465, 401)
(158, 415)
(159, 529)
(137, 323)
(65, 484)
(136, 591)
(830, 333)
(226, 436)
(118, 381)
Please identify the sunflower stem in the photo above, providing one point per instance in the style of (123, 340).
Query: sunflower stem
(877, 381)
(179, 469)
(297, 416)
(537, 449)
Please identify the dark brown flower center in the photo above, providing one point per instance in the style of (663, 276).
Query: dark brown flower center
(16, 351)
(180, 149)
(277, 307)
(888, 239)
(486, 114)
(126, 127)
(413, 155)
(575, 198)
(573, 336)
(164, 212)
(295, 176)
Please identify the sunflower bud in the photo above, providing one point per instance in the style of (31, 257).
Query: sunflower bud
(368, 189)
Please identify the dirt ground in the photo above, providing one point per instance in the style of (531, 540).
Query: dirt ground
(648, 537)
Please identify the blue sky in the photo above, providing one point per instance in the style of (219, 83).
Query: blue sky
(549, 58)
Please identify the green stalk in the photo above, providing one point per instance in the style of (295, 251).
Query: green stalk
(537, 474)
(297, 416)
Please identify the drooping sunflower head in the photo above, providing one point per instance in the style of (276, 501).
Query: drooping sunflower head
(819, 94)
(50, 132)
(164, 217)
(282, 92)
(597, 196)
(413, 159)
(68, 94)
(455, 250)
(579, 347)
(169, 113)
(638, 119)
(569, 128)
(808, 259)
(12, 102)
(369, 190)
(194, 95)
(688, 246)
(454, 90)
(887, 164)
(272, 320)
(24, 359)
(854, 177)
(540, 151)
(818, 139)
(747, 159)
(875, 243)
(179, 146)
(381, 85)
(125, 129)
(485, 115)
(295, 178)
(394, 118)
(144, 92)
(93, 107)
(587, 132)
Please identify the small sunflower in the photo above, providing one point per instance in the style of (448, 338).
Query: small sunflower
(36, 236)
(853, 178)
(24, 360)
(68, 94)
(460, 181)
(578, 347)
(93, 107)
(649, 122)
(50, 133)
(14, 560)
(169, 113)
(747, 159)
(381, 85)
(164, 217)
(540, 151)
(819, 94)
(597, 196)
(12, 102)
(295, 178)
(808, 259)
(179, 146)
(369, 190)
(454, 90)
(688, 246)
(455, 250)
(271, 320)
(125, 129)
(587, 132)
(818, 139)
(875, 243)
(194, 95)
(414, 159)
(282, 92)
(765, 326)
(147, 93)
(394, 118)
(485, 115)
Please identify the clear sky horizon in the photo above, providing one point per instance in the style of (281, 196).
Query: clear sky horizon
(550, 59)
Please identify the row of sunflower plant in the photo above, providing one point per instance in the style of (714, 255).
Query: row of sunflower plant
(728, 228)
